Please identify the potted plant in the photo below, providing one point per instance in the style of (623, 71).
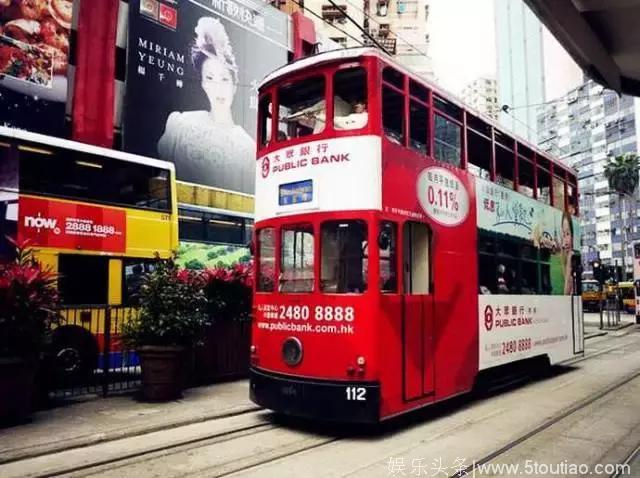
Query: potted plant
(28, 303)
(224, 351)
(171, 318)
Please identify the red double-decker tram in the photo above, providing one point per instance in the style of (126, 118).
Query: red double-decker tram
(404, 243)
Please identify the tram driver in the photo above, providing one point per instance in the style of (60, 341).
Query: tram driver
(346, 116)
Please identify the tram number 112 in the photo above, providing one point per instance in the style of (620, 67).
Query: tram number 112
(356, 393)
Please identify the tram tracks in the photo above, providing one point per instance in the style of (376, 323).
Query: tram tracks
(259, 427)
(566, 413)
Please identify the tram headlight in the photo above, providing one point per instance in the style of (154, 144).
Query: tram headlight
(292, 351)
(360, 361)
(253, 349)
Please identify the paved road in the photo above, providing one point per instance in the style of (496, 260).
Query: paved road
(584, 415)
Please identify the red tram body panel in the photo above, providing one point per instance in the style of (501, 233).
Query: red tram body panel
(391, 263)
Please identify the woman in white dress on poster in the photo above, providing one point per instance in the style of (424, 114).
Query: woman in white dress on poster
(208, 147)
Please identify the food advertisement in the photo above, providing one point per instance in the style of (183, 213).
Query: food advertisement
(34, 50)
(193, 72)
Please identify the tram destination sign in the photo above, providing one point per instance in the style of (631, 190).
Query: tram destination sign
(296, 193)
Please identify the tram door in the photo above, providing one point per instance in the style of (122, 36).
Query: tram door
(417, 317)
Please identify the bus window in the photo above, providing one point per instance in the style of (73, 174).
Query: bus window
(447, 141)
(266, 272)
(344, 260)
(526, 182)
(505, 167)
(350, 99)
(71, 174)
(302, 108)
(264, 120)
(544, 186)
(387, 245)
(296, 258)
(418, 126)
(133, 271)
(393, 114)
(558, 192)
(74, 286)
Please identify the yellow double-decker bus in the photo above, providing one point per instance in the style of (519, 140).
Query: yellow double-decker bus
(97, 217)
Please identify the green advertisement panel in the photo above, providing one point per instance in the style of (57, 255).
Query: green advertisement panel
(197, 255)
(553, 233)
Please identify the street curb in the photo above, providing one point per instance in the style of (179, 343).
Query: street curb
(18, 454)
(594, 335)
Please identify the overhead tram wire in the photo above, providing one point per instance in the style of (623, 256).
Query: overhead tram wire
(395, 34)
(303, 7)
(359, 27)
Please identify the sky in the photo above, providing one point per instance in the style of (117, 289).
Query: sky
(462, 48)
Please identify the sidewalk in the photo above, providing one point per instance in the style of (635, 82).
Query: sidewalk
(592, 324)
(98, 420)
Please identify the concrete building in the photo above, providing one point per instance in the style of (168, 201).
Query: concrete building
(520, 66)
(400, 26)
(531, 66)
(333, 23)
(585, 128)
(482, 94)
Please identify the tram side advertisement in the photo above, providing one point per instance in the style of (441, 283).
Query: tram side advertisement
(522, 316)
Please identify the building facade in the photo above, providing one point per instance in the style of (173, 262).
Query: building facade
(399, 26)
(586, 128)
(482, 94)
(520, 66)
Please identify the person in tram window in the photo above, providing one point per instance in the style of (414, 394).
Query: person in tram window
(207, 146)
(567, 252)
(356, 118)
(503, 287)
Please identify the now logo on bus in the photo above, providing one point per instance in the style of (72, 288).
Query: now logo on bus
(39, 222)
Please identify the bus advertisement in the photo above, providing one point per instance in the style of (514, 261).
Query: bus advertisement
(403, 244)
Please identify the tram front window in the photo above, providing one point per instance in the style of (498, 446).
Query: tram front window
(344, 257)
(296, 259)
(302, 108)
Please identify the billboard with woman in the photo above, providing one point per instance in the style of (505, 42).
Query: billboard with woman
(191, 90)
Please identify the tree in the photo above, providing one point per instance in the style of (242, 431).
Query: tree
(622, 174)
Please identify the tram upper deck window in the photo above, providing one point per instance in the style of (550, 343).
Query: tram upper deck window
(302, 108)
(296, 258)
(393, 114)
(344, 257)
(264, 120)
(447, 141)
(350, 109)
(558, 192)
